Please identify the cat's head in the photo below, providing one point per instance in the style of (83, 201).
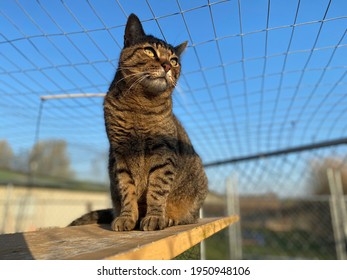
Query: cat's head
(147, 61)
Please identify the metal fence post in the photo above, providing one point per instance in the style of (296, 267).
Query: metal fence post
(341, 201)
(202, 243)
(337, 214)
(233, 208)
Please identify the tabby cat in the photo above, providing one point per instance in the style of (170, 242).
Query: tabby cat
(156, 178)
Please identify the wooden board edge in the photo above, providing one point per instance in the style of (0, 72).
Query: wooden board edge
(170, 247)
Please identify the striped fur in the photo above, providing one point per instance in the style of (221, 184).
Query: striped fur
(156, 177)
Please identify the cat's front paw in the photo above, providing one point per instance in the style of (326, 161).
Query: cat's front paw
(123, 224)
(153, 223)
(172, 222)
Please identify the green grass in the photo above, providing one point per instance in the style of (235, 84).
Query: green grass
(294, 244)
(217, 246)
(9, 176)
(18, 178)
(191, 254)
(277, 245)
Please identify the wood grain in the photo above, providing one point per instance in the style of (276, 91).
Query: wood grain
(100, 242)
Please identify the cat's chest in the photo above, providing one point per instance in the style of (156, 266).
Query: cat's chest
(141, 151)
(145, 126)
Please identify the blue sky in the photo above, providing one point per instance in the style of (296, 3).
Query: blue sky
(258, 75)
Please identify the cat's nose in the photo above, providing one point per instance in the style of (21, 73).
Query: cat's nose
(166, 65)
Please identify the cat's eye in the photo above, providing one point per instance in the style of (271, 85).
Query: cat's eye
(150, 52)
(174, 61)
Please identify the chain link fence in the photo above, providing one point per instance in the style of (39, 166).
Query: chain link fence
(286, 204)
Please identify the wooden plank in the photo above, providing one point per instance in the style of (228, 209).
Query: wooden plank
(100, 242)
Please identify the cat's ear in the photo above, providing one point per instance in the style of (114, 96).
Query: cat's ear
(180, 48)
(133, 30)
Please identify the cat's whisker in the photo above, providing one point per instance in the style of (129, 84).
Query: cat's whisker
(129, 76)
(138, 81)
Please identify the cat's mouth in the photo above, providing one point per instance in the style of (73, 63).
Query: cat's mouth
(155, 84)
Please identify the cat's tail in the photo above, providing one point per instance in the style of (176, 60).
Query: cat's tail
(104, 216)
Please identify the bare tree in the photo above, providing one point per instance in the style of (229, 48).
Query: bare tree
(6, 155)
(319, 180)
(50, 158)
